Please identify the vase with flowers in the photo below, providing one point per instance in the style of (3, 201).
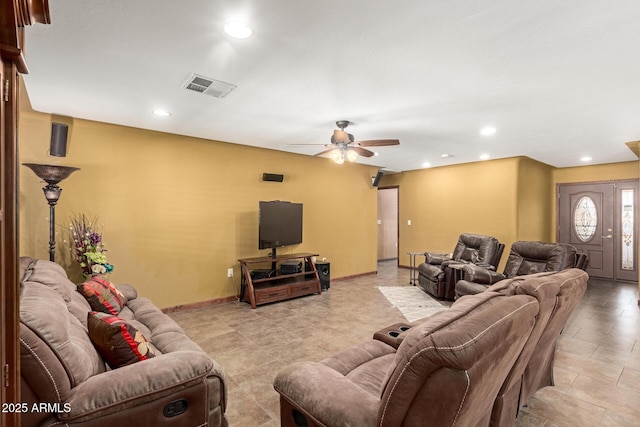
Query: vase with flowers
(89, 250)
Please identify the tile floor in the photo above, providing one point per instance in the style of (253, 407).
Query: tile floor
(597, 368)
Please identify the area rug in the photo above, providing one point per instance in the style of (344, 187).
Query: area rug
(412, 301)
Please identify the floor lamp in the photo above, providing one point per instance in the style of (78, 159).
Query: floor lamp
(52, 175)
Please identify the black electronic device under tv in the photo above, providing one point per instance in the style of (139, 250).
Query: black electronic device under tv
(280, 224)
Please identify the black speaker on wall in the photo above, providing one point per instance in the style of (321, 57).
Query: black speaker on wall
(272, 177)
(59, 132)
(376, 179)
(324, 273)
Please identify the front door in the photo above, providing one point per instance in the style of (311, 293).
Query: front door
(601, 220)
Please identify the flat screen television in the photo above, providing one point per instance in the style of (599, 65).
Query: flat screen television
(279, 224)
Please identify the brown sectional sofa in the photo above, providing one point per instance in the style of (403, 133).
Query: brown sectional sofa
(475, 363)
(60, 367)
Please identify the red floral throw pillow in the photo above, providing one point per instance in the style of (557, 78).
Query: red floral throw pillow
(102, 295)
(118, 342)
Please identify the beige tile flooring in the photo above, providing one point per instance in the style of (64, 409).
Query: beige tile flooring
(597, 368)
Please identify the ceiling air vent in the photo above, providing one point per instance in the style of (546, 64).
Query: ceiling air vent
(208, 86)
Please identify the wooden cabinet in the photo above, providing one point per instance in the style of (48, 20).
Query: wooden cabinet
(264, 281)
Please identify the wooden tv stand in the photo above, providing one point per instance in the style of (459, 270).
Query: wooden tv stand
(278, 286)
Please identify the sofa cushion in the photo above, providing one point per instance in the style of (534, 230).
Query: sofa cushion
(117, 341)
(102, 295)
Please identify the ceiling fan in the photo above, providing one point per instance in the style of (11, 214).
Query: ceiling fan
(344, 147)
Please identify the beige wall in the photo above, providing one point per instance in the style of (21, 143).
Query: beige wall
(533, 201)
(179, 211)
(443, 202)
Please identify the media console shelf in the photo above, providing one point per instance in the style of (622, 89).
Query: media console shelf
(278, 286)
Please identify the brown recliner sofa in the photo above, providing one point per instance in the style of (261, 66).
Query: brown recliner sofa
(558, 294)
(435, 274)
(61, 368)
(525, 257)
(446, 370)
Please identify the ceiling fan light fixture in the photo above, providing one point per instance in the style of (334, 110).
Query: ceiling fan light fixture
(352, 155)
(337, 156)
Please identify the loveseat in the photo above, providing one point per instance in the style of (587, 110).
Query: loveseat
(75, 370)
(475, 363)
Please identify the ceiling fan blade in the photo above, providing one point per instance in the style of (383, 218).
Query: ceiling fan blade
(305, 145)
(378, 142)
(324, 152)
(362, 151)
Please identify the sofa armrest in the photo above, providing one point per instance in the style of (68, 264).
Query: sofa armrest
(435, 258)
(140, 383)
(326, 395)
(128, 291)
(477, 274)
(487, 266)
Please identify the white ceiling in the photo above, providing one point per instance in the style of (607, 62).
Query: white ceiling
(558, 79)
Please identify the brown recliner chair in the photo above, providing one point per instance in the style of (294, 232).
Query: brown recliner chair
(435, 275)
(524, 258)
(447, 370)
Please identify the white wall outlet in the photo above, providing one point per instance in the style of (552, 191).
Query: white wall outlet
(408, 222)
(230, 272)
(379, 222)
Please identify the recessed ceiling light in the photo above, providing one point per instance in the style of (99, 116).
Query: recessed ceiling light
(238, 30)
(446, 155)
(489, 130)
(484, 157)
(586, 159)
(161, 113)
(426, 165)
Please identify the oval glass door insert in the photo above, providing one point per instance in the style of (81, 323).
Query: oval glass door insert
(585, 219)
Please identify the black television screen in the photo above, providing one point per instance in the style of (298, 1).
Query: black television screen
(280, 224)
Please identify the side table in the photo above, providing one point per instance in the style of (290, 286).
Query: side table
(413, 271)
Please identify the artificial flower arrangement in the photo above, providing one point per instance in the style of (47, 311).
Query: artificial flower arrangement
(89, 250)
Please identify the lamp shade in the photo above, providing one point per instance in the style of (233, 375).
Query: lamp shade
(51, 174)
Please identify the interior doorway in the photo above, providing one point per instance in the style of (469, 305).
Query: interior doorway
(601, 220)
(387, 223)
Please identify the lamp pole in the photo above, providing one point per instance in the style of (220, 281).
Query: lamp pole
(52, 194)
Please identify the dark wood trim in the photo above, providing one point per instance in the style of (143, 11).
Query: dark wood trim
(13, 54)
(355, 276)
(14, 16)
(200, 304)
